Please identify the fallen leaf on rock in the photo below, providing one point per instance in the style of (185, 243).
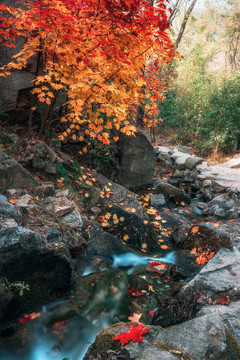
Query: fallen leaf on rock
(134, 334)
(151, 313)
(194, 251)
(223, 300)
(201, 259)
(164, 247)
(135, 318)
(29, 317)
(194, 230)
(135, 292)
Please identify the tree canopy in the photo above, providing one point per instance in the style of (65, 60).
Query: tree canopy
(102, 53)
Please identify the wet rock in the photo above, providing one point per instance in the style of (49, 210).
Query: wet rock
(171, 192)
(178, 237)
(122, 215)
(178, 273)
(101, 242)
(137, 161)
(158, 200)
(6, 297)
(7, 210)
(156, 267)
(225, 235)
(13, 175)
(24, 257)
(219, 275)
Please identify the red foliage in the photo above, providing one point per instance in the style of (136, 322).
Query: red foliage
(135, 292)
(134, 334)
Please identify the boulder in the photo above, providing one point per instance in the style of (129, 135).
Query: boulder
(219, 275)
(13, 175)
(101, 243)
(8, 210)
(171, 192)
(192, 161)
(25, 258)
(137, 161)
(180, 163)
(209, 236)
(180, 341)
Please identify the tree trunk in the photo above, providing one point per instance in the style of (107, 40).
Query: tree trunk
(184, 23)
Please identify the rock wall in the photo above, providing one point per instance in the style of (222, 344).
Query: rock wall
(11, 97)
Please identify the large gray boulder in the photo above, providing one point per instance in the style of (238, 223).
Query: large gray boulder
(209, 236)
(219, 275)
(137, 161)
(13, 175)
(202, 338)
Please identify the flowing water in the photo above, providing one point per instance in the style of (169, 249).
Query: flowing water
(70, 339)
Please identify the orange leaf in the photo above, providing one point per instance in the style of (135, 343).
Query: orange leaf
(194, 230)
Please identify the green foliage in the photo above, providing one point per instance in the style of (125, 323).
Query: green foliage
(18, 285)
(203, 109)
(71, 168)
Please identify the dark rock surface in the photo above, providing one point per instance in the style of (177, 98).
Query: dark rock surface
(13, 175)
(137, 161)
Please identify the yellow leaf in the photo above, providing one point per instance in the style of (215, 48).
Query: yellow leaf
(108, 215)
(126, 237)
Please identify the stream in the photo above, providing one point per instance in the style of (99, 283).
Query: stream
(43, 338)
(103, 295)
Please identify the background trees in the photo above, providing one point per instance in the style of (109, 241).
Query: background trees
(203, 105)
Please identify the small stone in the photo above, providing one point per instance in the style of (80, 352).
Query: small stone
(157, 269)
(207, 183)
(158, 200)
(180, 163)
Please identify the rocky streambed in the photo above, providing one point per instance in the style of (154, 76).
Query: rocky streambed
(79, 260)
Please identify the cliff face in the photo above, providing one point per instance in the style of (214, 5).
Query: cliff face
(15, 88)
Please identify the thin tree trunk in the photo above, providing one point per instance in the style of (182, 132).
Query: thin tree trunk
(184, 23)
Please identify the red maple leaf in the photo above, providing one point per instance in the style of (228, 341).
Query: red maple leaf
(135, 292)
(134, 334)
(223, 300)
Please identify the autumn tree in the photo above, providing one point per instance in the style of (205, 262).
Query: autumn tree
(95, 51)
